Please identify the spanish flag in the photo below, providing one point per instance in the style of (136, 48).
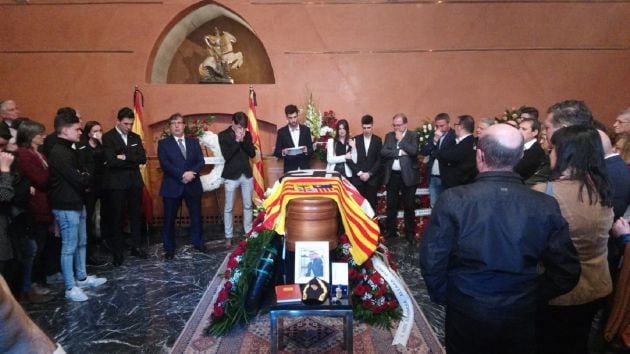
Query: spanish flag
(362, 231)
(138, 122)
(257, 164)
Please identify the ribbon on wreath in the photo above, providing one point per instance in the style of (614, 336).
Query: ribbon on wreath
(404, 300)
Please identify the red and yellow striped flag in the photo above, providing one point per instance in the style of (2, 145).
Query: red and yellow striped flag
(257, 164)
(138, 123)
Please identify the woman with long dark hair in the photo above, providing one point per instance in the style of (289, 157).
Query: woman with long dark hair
(580, 184)
(340, 149)
(38, 218)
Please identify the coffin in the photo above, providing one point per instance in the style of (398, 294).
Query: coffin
(311, 219)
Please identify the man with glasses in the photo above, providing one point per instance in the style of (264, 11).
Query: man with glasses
(293, 143)
(181, 160)
(402, 174)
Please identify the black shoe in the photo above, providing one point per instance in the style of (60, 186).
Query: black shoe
(169, 255)
(202, 249)
(95, 261)
(139, 253)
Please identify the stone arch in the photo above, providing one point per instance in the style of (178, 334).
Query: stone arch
(180, 49)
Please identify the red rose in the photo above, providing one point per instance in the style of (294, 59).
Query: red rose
(242, 244)
(218, 311)
(227, 274)
(359, 290)
(375, 278)
(232, 263)
(205, 129)
(367, 304)
(238, 251)
(223, 295)
(228, 285)
(352, 274)
(368, 264)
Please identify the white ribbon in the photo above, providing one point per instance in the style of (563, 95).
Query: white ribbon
(398, 288)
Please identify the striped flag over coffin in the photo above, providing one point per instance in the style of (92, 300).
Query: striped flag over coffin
(362, 231)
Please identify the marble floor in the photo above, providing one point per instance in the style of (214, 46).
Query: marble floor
(145, 303)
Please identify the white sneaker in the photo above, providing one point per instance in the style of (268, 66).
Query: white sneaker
(91, 282)
(76, 294)
(56, 278)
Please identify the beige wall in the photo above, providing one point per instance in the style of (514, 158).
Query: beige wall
(359, 57)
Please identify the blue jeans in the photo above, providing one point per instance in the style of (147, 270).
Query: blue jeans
(73, 242)
(435, 189)
(247, 190)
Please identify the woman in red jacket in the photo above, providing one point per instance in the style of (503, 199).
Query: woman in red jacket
(32, 165)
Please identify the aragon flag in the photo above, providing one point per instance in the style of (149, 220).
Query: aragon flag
(138, 123)
(257, 164)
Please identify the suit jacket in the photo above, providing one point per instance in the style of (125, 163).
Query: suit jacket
(620, 179)
(532, 158)
(432, 149)
(123, 174)
(409, 169)
(174, 165)
(371, 162)
(283, 141)
(458, 163)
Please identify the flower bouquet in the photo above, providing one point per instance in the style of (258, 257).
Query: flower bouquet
(372, 299)
(230, 303)
(195, 127)
(510, 115)
(425, 134)
(322, 127)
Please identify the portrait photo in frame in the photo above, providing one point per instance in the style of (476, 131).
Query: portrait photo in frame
(312, 259)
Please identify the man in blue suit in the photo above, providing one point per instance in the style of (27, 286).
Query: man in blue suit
(443, 139)
(181, 160)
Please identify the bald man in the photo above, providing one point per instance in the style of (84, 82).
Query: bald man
(481, 253)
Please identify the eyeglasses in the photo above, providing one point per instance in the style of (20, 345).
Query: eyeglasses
(398, 125)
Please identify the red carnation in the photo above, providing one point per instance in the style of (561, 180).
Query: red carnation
(232, 263)
(353, 274)
(227, 274)
(375, 278)
(238, 251)
(228, 285)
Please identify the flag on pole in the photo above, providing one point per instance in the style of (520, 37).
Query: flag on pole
(257, 164)
(138, 123)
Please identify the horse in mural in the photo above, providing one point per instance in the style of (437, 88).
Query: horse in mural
(216, 67)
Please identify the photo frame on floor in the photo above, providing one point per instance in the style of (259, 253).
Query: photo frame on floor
(312, 259)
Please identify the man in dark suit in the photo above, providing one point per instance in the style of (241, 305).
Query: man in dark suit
(292, 136)
(124, 154)
(9, 112)
(181, 160)
(366, 172)
(534, 154)
(457, 163)
(443, 138)
(401, 174)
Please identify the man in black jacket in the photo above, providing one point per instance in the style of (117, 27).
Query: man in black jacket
(457, 161)
(69, 182)
(366, 172)
(124, 154)
(533, 154)
(237, 148)
(493, 250)
(292, 136)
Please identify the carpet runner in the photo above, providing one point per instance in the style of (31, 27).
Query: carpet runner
(302, 334)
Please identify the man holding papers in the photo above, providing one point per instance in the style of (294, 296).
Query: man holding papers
(293, 143)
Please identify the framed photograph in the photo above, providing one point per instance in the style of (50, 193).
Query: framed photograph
(312, 259)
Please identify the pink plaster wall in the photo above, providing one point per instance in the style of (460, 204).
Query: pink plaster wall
(355, 58)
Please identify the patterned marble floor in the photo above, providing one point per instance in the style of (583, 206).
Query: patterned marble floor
(145, 303)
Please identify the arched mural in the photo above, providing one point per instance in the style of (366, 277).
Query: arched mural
(184, 45)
